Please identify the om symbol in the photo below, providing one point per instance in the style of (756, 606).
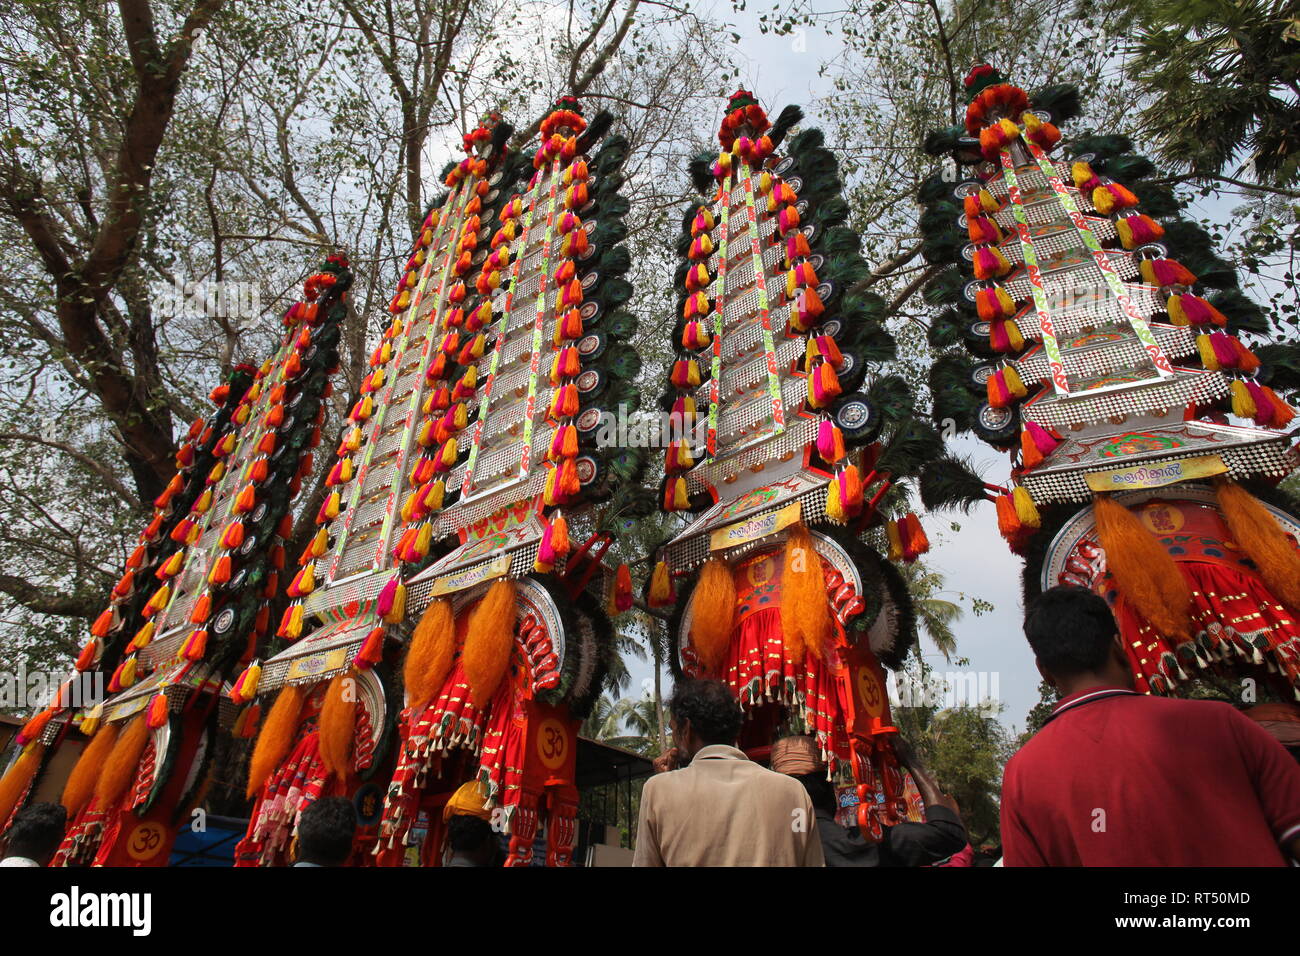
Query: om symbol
(145, 841)
(552, 743)
(869, 691)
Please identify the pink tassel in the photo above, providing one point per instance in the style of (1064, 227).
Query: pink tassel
(384, 603)
(830, 443)
(1263, 407)
(1223, 350)
(1200, 312)
(1042, 438)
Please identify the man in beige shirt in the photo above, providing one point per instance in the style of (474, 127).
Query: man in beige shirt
(721, 809)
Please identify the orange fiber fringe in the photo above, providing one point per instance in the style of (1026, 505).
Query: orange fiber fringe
(122, 764)
(713, 613)
(489, 640)
(805, 615)
(275, 737)
(1259, 535)
(1144, 572)
(338, 720)
(81, 782)
(428, 662)
(14, 783)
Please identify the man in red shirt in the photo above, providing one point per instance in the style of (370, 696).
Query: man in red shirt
(1116, 778)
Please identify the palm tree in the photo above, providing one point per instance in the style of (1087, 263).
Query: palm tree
(630, 723)
(625, 643)
(1223, 78)
(935, 615)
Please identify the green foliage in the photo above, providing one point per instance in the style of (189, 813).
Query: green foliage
(964, 747)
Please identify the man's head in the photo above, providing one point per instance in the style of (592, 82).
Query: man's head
(471, 837)
(703, 712)
(325, 832)
(37, 832)
(1075, 640)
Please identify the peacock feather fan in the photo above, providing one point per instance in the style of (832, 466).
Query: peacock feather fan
(951, 482)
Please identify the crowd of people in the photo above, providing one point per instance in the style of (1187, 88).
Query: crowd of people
(1114, 778)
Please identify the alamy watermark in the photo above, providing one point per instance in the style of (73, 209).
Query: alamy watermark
(37, 689)
(225, 299)
(977, 690)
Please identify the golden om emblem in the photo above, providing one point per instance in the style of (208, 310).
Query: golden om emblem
(145, 841)
(552, 743)
(870, 692)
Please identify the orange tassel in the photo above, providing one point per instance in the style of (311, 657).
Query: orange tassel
(202, 608)
(276, 736)
(805, 615)
(1145, 574)
(1008, 522)
(488, 641)
(372, 649)
(81, 782)
(156, 714)
(1258, 534)
(119, 770)
(19, 777)
(429, 659)
(713, 611)
(338, 724)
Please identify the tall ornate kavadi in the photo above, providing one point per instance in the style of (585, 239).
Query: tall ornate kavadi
(790, 455)
(1114, 376)
(115, 628)
(194, 601)
(446, 533)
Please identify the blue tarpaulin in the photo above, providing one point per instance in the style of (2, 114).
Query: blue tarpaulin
(214, 845)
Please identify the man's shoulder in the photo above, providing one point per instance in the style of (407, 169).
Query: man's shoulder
(1200, 713)
(1174, 713)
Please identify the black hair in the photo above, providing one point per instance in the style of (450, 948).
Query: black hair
(467, 833)
(326, 830)
(709, 706)
(37, 831)
(1070, 630)
(820, 791)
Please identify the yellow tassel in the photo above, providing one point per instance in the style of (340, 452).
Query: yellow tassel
(661, 588)
(1206, 350)
(1243, 405)
(681, 501)
(1015, 385)
(895, 541)
(143, 636)
(1026, 510)
(834, 506)
(1175, 309)
(397, 612)
(713, 611)
(1103, 200)
(434, 494)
